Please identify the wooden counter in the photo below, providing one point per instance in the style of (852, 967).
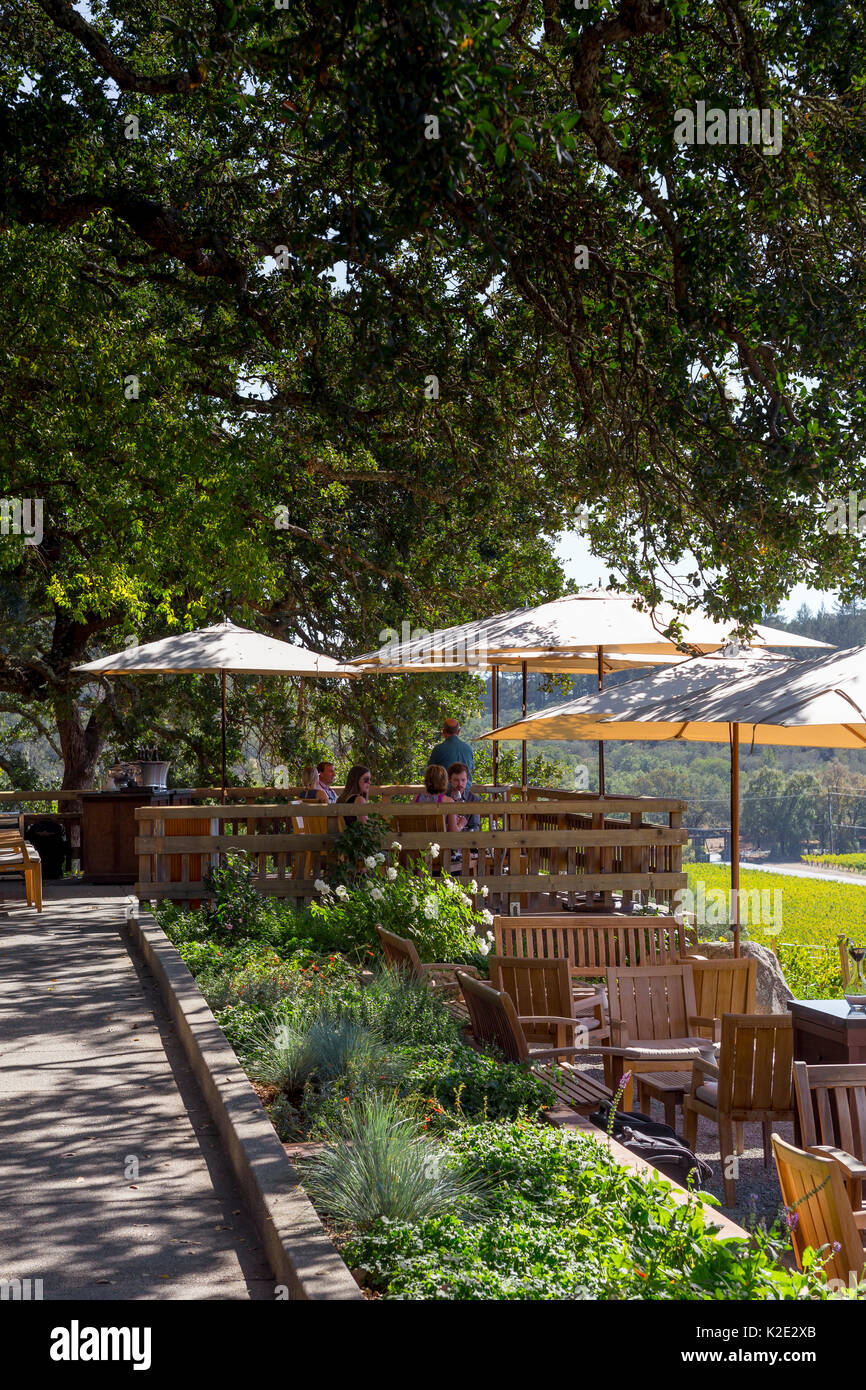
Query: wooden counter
(108, 833)
(827, 1030)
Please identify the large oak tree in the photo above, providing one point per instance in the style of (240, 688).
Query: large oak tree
(178, 190)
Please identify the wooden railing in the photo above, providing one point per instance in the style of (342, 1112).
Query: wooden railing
(552, 849)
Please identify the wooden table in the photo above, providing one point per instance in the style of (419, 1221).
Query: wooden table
(667, 1086)
(826, 1030)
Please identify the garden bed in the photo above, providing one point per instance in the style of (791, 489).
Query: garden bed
(436, 1177)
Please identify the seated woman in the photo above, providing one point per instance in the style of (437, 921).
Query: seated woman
(357, 788)
(312, 788)
(436, 789)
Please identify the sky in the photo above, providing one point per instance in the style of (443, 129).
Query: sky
(580, 565)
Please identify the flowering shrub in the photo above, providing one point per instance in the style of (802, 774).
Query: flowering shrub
(434, 912)
(357, 852)
(238, 907)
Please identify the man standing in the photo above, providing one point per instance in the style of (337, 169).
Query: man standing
(452, 749)
(327, 773)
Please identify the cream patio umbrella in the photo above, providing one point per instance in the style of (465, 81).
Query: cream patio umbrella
(593, 630)
(221, 649)
(820, 702)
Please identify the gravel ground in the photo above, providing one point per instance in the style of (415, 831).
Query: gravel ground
(757, 1187)
(758, 1194)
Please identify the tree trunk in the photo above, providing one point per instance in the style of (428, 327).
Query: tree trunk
(80, 744)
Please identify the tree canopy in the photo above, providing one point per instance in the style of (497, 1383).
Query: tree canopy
(349, 307)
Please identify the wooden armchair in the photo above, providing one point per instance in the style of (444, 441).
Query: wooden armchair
(831, 1106)
(653, 1011)
(306, 863)
(812, 1187)
(18, 856)
(753, 1080)
(495, 1021)
(541, 992)
(725, 986)
(400, 954)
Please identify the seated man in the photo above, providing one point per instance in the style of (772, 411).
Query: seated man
(458, 776)
(327, 773)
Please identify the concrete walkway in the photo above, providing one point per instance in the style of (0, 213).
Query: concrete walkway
(114, 1185)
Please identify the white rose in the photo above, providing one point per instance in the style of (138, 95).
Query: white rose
(484, 890)
(370, 861)
(376, 894)
(390, 874)
(396, 846)
(431, 909)
(380, 858)
(343, 892)
(465, 901)
(473, 886)
(434, 850)
(320, 885)
(487, 917)
(483, 947)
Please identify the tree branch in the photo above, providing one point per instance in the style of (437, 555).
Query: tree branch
(65, 17)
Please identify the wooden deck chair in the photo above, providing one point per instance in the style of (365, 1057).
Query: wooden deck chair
(543, 988)
(18, 856)
(812, 1188)
(753, 1080)
(831, 1106)
(724, 986)
(495, 1021)
(400, 954)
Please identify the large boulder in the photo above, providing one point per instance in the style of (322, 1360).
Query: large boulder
(772, 993)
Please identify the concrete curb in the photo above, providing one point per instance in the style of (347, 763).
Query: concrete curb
(297, 1245)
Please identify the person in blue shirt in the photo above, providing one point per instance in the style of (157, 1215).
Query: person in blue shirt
(452, 749)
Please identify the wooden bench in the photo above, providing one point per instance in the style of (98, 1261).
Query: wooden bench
(591, 945)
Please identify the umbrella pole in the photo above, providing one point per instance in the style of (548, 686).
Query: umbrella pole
(223, 689)
(735, 833)
(494, 698)
(523, 779)
(600, 744)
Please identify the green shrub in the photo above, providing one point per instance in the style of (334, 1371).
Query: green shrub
(433, 911)
(406, 1011)
(564, 1221)
(382, 1168)
(474, 1085)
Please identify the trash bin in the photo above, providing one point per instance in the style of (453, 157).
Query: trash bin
(50, 839)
